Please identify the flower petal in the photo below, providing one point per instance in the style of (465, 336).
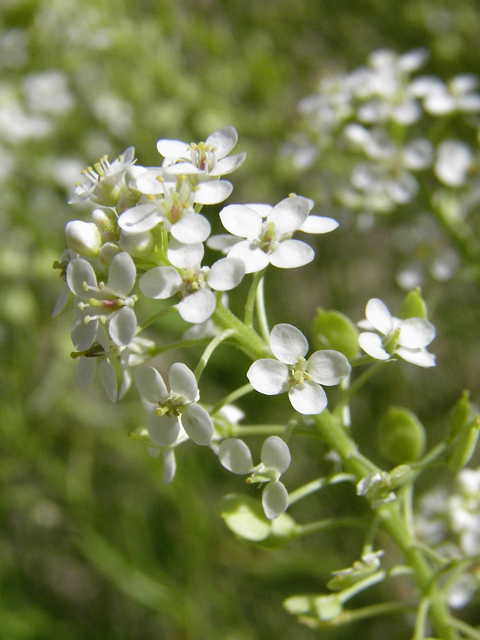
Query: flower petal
(109, 380)
(212, 192)
(223, 140)
(250, 253)
(121, 274)
(162, 429)
(308, 398)
(318, 224)
(241, 221)
(151, 182)
(122, 326)
(160, 283)
(289, 214)
(80, 273)
(184, 256)
(173, 149)
(150, 384)
(274, 500)
(227, 165)
(143, 217)
(268, 376)
(183, 382)
(287, 343)
(198, 424)
(328, 367)
(226, 274)
(61, 301)
(86, 370)
(83, 335)
(378, 314)
(420, 357)
(191, 228)
(198, 306)
(276, 454)
(416, 333)
(291, 254)
(169, 465)
(371, 343)
(235, 456)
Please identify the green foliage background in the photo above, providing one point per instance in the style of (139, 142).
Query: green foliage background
(92, 545)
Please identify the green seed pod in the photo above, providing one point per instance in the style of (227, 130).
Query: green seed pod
(401, 436)
(465, 445)
(459, 416)
(333, 330)
(413, 306)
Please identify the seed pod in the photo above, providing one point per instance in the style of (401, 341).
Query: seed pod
(401, 436)
(465, 445)
(459, 416)
(333, 330)
(413, 306)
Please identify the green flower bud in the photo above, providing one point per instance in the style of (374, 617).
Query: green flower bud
(465, 445)
(107, 253)
(413, 306)
(459, 416)
(106, 222)
(401, 436)
(245, 517)
(333, 330)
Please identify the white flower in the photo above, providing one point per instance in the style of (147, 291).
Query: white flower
(442, 99)
(207, 157)
(293, 373)
(410, 336)
(194, 285)
(268, 233)
(101, 302)
(175, 409)
(103, 181)
(275, 457)
(174, 206)
(454, 159)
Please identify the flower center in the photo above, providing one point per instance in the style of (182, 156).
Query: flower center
(298, 374)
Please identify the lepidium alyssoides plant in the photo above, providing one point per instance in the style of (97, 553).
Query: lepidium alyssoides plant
(145, 239)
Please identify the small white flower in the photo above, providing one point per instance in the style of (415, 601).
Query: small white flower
(454, 159)
(268, 232)
(291, 372)
(275, 457)
(101, 302)
(207, 157)
(103, 181)
(194, 285)
(411, 336)
(176, 409)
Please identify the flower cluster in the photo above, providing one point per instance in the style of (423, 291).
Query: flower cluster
(146, 238)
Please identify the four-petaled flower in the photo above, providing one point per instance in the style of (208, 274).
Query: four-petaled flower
(293, 373)
(235, 456)
(174, 410)
(405, 338)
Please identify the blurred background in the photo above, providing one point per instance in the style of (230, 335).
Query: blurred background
(92, 545)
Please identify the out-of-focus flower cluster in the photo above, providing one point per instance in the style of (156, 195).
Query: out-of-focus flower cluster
(406, 140)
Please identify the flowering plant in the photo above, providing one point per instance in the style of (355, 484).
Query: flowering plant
(146, 241)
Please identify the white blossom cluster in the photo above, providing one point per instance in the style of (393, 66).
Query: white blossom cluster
(146, 237)
(407, 139)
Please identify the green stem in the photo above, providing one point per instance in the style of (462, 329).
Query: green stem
(209, 350)
(316, 485)
(178, 344)
(421, 620)
(245, 336)
(232, 397)
(326, 524)
(392, 522)
(465, 628)
(262, 313)
(362, 379)
(385, 608)
(250, 303)
(153, 318)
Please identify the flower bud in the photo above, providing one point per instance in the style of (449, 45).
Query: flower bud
(465, 445)
(108, 252)
(333, 330)
(459, 416)
(401, 436)
(138, 244)
(413, 306)
(106, 222)
(84, 238)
